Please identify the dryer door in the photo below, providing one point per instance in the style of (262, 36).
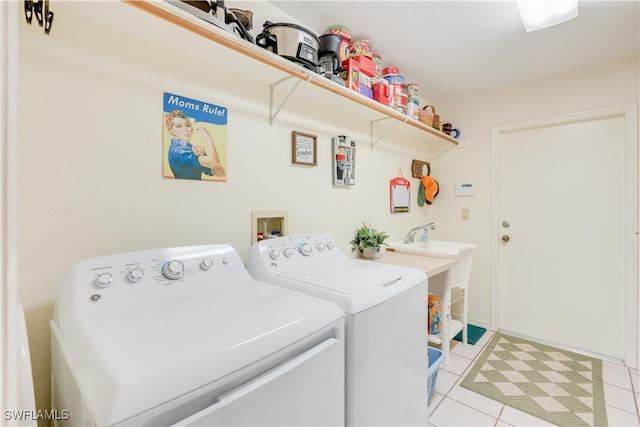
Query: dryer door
(286, 395)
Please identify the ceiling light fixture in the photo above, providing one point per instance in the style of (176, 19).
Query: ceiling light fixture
(539, 14)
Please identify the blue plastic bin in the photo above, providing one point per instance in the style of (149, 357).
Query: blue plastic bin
(435, 358)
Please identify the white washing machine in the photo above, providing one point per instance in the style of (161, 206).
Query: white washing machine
(386, 320)
(186, 336)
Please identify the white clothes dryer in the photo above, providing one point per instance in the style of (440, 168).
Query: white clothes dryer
(386, 320)
(185, 336)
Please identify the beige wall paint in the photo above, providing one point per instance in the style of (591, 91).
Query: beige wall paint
(89, 177)
(89, 160)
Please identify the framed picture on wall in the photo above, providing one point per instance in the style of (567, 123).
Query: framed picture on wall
(304, 148)
(194, 139)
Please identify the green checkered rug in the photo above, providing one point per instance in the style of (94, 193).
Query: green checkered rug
(558, 386)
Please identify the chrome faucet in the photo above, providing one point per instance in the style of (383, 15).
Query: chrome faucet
(410, 237)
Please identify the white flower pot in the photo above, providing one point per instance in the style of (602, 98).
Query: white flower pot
(371, 252)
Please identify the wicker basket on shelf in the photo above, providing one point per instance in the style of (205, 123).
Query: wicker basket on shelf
(428, 116)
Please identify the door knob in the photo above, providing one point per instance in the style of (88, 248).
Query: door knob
(506, 224)
(505, 239)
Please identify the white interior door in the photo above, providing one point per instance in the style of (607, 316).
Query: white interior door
(564, 230)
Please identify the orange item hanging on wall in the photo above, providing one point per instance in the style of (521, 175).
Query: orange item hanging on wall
(431, 188)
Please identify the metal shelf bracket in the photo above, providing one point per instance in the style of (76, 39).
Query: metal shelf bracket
(395, 122)
(273, 114)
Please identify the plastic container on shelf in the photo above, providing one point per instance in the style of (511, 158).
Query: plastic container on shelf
(434, 304)
(435, 358)
(361, 48)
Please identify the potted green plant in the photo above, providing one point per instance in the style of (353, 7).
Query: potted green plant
(367, 241)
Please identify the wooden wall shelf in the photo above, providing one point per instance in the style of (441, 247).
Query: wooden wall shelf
(178, 17)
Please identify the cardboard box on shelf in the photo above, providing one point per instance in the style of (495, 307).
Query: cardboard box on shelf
(366, 91)
(367, 66)
(364, 79)
(351, 74)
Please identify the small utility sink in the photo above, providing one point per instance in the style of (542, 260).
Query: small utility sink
(434, 248)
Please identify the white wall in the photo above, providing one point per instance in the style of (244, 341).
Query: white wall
(607, 85)
(90, 154)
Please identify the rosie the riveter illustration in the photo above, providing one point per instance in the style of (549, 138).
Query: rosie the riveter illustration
(198, 159)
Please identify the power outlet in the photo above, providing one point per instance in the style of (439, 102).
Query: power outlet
(465, 214)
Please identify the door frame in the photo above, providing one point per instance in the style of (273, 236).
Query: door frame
(631, 295)
(9, 380)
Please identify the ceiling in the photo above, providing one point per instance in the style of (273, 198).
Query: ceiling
(455, 48)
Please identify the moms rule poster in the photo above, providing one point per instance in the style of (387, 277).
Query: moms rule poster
(194, 139)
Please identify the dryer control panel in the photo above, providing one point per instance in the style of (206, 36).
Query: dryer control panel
(97, 287)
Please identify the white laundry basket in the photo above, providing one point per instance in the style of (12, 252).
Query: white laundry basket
(435, 358)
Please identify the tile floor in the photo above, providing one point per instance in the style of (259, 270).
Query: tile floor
(453, 405)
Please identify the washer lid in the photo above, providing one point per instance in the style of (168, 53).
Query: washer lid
(132, 361)
(356, 285)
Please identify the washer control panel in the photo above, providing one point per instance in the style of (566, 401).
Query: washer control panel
(123, 281)
(289, 253)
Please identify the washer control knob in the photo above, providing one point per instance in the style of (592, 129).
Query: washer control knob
(288, 252)
(320, 246)
(206, 264)
(330, 245)
(173, 270)
(135, 275)
(305, 249)
(274, 254)
(104, 280)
